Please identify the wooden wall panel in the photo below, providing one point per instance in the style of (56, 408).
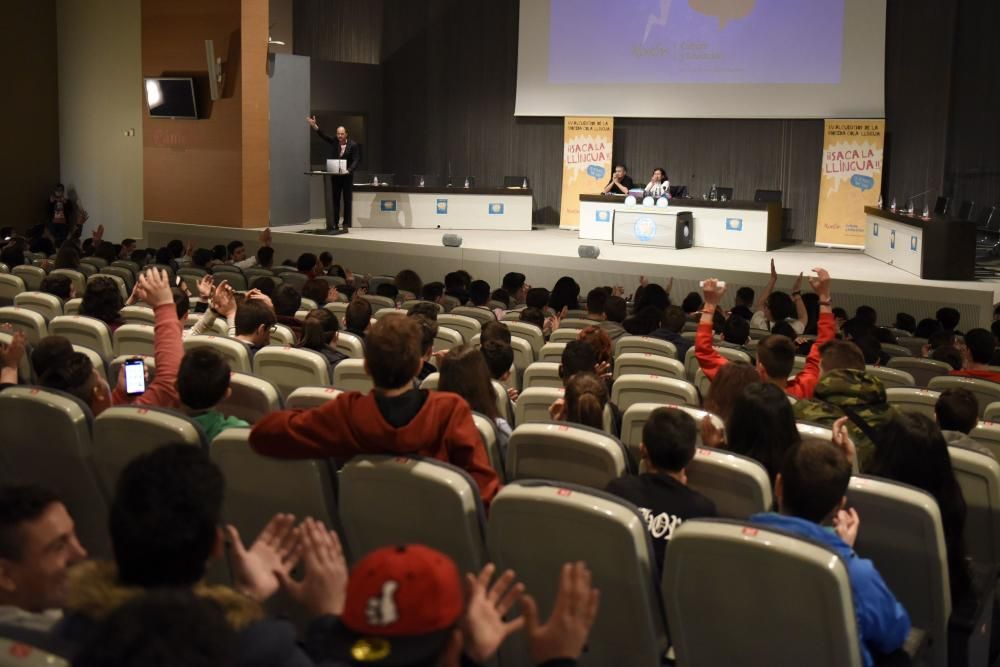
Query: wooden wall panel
(346, 30)
(255, 103)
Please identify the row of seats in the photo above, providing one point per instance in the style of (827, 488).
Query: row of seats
(533, 525)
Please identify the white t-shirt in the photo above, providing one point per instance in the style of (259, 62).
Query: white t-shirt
(760, 322)
(658, 189)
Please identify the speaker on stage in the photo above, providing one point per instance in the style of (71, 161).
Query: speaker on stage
(451, 240)
(589, 251)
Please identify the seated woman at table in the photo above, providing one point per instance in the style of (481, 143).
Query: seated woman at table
(620, 182)
(659, 184)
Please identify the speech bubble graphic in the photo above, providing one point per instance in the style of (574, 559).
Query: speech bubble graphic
(595, 171)
(725, 10)
(862, 182)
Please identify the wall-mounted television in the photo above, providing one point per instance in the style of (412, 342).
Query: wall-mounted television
(171, 97)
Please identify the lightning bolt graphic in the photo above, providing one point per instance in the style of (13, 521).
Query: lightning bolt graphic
(657, 20)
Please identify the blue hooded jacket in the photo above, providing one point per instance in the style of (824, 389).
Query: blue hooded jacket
(883, 624)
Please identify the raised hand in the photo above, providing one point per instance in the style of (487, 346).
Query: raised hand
(257, 571)
(312, 122)
(846, 523)
(265, 236)
(483, 626)
(711, 435)
(821, 283)
(565, 632)
(12, 353)
(712, 291)
(797, 285)
(332, 295)
(842, 439)
(224, 301)
(670, 285)
(774, 273)
(323, 589)
(205, 284)
(153, 287)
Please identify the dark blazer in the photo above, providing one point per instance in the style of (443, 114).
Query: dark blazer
(352, 153)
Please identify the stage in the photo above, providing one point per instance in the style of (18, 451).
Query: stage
(544, 255)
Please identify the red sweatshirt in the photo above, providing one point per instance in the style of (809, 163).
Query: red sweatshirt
(168, 350)
(801, 386)
(352, 424)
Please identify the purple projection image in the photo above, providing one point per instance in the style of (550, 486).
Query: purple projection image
(696, 41)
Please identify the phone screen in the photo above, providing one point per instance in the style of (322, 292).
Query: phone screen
(135, 377)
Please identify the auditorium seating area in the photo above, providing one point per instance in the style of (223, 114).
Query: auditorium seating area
(553, 507)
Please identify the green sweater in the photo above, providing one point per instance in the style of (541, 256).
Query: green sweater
(214, 422)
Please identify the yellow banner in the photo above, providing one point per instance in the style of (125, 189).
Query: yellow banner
(850, 180)
(586, 163)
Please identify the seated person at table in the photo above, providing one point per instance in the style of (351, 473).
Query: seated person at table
(394, 418)
(661, 493)
(620, 182)
(659, 184)
(810, 491)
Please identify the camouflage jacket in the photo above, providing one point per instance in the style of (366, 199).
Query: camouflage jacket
(857, 390)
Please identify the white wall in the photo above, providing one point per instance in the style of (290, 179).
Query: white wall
(100, 102)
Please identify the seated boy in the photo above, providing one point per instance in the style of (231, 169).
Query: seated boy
(661, 493)
(810, 491)
(203, 381)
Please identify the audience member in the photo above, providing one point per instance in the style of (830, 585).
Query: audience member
(428, 334)
(775, 353)
(255, 321)
(977, 355)
(165, 530)
(939, 338)
(287, 301)
(494, 331)
(38, 546)
(479, 294)
(949, 318)
(58, 285)
(644, 322)
(595, 337)
(661, 492)
(957, 413)
(911, 450)
(358, 317)
(464, 372)
(950, 355)
(409, 281)
(394, 418)
(50, 352)
(691, 306)
(615, 312)
(736, 331)
(425, 309)
(433, 292)
(926, 328)
(597, 299)
(104, 302)
(516, 286)
(585, 399)
(671, 325)
(319, 291)
(499, 356)
(905, 322)
(202, 383)
(565, 294)
(847, 389)
(457, 287)
(538, 297)
(729, 382)
(744, 301)
(810, 493)
(319, 333)
(778, 306)
(577, 357)
(325, 262)
(533, 315)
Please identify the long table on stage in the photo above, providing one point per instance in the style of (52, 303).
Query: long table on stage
(736, 225)
(935, 248)
(411, 207)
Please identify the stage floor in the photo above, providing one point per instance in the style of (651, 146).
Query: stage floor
(546, 254)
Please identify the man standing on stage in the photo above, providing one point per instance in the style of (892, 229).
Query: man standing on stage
(344, 149)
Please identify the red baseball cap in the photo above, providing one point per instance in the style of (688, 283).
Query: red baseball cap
(402, 604)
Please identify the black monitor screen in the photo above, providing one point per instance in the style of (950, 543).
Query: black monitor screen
(171, 98)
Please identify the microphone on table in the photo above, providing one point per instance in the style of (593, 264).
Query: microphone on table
(909, 200)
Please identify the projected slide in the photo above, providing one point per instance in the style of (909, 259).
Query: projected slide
(696, 41)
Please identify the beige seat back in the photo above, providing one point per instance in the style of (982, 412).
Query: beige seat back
(139, 315)
(564, 335)
(565, 452)
(446, 339)
(478, 314)
(542, 374)
(118, 281)
(86, 331)
(77, 278)
(26, 321)
(986, 392)
(234, 352)
(377, 302)
(912, 399)
(713, 567)
(535, 527)
(639, 363)
(250, 398)
(551, 352)
(891, 377)
(311, 397)
(134, 339)
(979, 477)
(645, 345)
(350, 375)
(289, 368)
(349, 344)
(465, 326)
(738, 485)
(533, 404)
(635, 418)
(528, 332)
(730, 353)
(630, 389)
(386, 500)
(46, 305)
(31, 276)
(923, 370)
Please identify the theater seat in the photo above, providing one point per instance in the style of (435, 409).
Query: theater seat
(119, 283)
(31, 276)
(730, 353)
(533, 404)
(388, 312)
(987, 434)
(311, 397)
(250, 398)
(289, 368)
(891, 377)
(72, 307)
(713, 567)
(738, 485)
(78, 279)
(378, 302)
(86, 331)
(564, 335)
(349, 344)
(528, 332)
(488, 431)
(992, 412)
(139, 315)
(480, 315)
(17, 653)
(630, 389)
(95, 360)
(134, 339)
(123, 432)
(535, 527)
(47, 441)
(128, 278)
(25, 373)
(464, 325)
(904, 537)
(350, 375)
(447, 338)
(978, 476)
(551, 352)
(542, 374)
(388, 500)
(282, 335)
(410, 303)
(986, 392)
(46, 305)
(27, 321)
(635, 418)
(235, 352)
(644, 345)
(807, 430)
(565, 452)
(637, 363)
(911, 399)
